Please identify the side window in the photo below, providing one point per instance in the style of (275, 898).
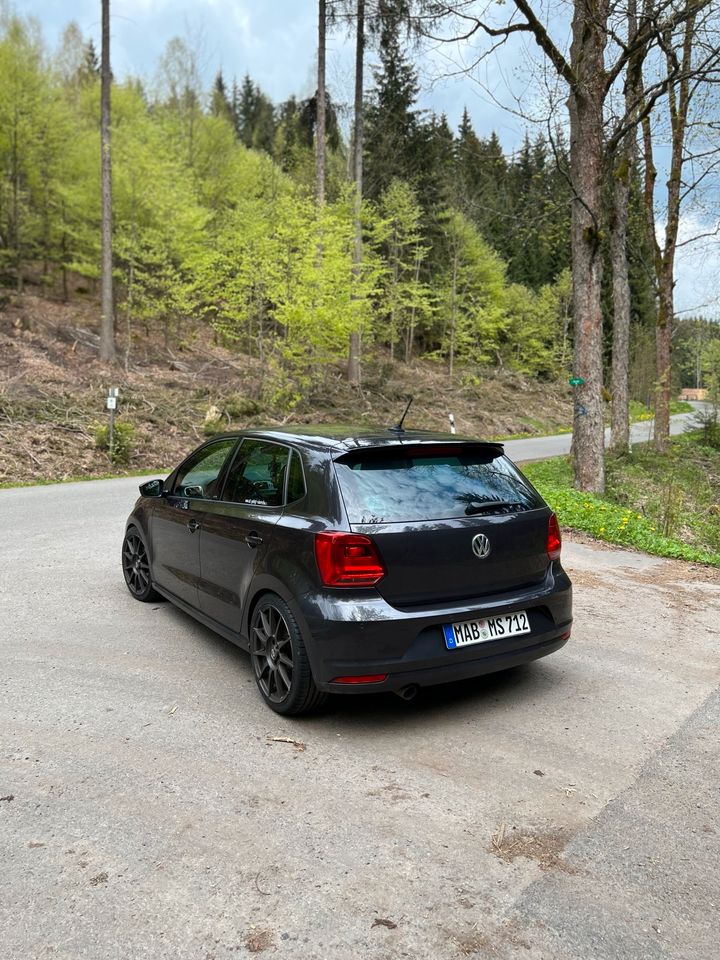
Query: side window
(198, 478)
(257, 475)
(296, 480)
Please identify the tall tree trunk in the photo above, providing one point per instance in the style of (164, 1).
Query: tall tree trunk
(679, 94)
(15, 231)
(453, 314)
(411, 326)
(622, 174)
(107, 318)
(620, 428)
(353, 372)
(586, 162)
(321, 105)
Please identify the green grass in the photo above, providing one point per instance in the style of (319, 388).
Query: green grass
(11, 485)
(664, 504)
(639, 411)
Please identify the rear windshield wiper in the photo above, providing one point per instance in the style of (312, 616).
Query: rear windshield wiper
(488, 505)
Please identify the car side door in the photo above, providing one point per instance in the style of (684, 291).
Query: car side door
(238, 531)
(177, 518)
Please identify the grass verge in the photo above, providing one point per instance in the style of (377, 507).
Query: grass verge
(51, 481)
(664, 504)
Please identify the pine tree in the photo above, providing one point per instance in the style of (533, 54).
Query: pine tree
(246, 111)
(91, 65)
(391, 124)
(220, 105)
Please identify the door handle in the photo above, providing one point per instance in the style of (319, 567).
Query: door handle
(253, 540)
(193, 525)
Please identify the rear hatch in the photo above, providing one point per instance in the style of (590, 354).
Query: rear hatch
(424, 506)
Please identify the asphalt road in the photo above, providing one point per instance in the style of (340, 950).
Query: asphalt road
(537, 448)
(568, 810)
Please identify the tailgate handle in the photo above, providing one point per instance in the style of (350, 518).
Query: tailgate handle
(253, 540)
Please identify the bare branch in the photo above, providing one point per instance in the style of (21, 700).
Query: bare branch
(653, 29)
(543, 40)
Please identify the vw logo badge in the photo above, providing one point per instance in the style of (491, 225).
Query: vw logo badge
(480, 546)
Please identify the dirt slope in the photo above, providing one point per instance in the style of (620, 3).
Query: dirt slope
(52, 390)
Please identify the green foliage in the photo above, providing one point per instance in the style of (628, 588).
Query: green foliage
(406, 302)
(695, 349)
(237, 406)
(214, 426)
(665, 504)
(280, 282)
(122, 442)
(464, 251)
(391, 121)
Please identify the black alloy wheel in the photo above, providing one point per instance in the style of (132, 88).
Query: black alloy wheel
(136, 567)
(279, 659)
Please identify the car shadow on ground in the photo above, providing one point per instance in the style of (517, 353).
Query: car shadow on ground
(356, 710)
(437, 702)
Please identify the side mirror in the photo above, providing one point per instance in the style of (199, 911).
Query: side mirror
(151, 488)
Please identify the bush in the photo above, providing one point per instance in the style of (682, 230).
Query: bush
(212, 427)
(238, 406)
(214, 421)
(706, 419)
(123, 436)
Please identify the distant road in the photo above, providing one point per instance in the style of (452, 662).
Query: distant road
(538, 448)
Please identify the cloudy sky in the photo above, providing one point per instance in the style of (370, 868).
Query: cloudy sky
(274, 41)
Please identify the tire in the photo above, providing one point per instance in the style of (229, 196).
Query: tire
(280, 661)
(136, 567)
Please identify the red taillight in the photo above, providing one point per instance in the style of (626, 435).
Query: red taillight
(347, 560)
(368, 678)
(554, 540)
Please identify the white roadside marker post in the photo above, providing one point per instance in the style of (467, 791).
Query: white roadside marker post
(451, 418)
(111, 404)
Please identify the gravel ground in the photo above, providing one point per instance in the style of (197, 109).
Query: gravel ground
(568, 809)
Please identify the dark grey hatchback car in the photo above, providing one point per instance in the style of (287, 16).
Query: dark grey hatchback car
(348, 562)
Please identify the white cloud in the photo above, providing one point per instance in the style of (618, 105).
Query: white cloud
(697, 266)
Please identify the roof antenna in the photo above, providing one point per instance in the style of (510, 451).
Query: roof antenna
(398, 428)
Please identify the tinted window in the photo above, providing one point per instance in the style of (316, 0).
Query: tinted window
(257, 475)
(296, 479)
(200, 473)
(410, 484)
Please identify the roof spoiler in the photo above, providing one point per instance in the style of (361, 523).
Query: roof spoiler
(409, 440)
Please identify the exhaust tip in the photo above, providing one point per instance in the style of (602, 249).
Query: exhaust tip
(409, 692)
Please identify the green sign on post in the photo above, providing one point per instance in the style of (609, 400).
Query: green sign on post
(576, 381)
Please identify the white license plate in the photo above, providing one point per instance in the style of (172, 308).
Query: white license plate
(481, 631)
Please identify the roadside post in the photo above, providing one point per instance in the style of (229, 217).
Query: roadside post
(580, 409)
(451, 419)
(111, 404)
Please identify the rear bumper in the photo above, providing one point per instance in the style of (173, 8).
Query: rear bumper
(447, 673)
(367, 636)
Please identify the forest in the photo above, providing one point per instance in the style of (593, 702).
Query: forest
(466, 247)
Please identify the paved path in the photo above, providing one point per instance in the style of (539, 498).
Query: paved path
(537, 448)
(145, 814)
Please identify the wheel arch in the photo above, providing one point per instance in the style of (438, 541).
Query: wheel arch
(264, 585)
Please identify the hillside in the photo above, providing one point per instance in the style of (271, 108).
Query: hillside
(52, 395)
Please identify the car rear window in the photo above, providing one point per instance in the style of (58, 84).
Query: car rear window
(396, 484)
